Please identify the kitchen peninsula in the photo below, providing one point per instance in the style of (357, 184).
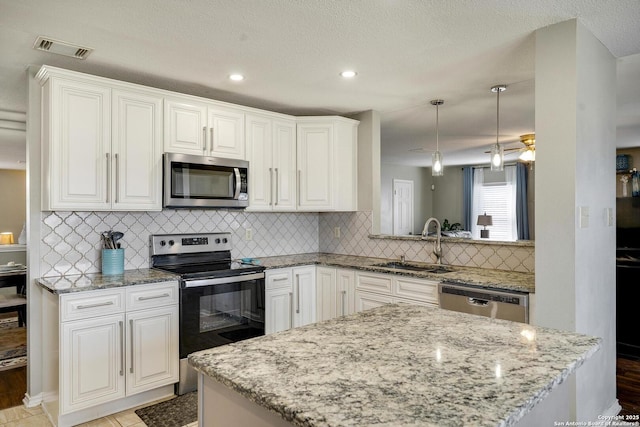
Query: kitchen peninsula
(394, 365)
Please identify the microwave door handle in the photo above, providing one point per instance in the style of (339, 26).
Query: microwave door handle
(238, 183)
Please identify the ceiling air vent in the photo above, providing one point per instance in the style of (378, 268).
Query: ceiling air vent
(62, 48)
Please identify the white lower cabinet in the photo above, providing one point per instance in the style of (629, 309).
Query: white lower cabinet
(335, 289)
(114, 344)
(376, 289)
(290, 298)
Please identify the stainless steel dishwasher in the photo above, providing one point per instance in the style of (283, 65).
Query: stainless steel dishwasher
(495, 304)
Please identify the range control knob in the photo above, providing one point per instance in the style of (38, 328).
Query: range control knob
(171, 242)
(163, 243)
(217, 241)
(224, 240)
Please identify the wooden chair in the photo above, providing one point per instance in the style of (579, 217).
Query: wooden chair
(17, 303)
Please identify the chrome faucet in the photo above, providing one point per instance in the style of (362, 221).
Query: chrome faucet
(437, 247)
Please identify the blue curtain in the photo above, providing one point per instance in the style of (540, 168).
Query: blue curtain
(522, 210)
(467, 194)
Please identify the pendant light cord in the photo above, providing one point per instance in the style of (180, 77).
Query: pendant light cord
(437, 123)
(498, 117)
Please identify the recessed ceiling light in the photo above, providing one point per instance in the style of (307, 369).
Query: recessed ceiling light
(236, 77)
(348, 74)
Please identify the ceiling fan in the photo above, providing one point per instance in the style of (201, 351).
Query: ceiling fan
(528, 152)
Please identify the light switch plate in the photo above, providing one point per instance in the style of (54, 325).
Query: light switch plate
(584, 217)
(608, 213)
(336, 232)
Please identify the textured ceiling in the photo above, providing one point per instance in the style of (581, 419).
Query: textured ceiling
(406, 53)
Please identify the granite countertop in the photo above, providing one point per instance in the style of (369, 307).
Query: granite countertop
(95, 281)
(393, 365)
(480, 277)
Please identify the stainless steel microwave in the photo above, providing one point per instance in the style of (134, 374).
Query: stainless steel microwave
(204, 182)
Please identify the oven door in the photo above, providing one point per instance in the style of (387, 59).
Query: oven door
(199, 181)
(218, 314)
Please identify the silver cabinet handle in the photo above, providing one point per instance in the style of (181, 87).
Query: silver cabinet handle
(290, 310)
(211, 139)
(270, 186)
(344, 296)
(297, 293)
(277, 195)
(299, 183)
(117, 177)
(108, 174)
(280, 279)
(121, 347)
(100, 304)
(153, 297)
(204, 140)
(131, 348)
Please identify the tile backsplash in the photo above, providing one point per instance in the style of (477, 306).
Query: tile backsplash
(70, 241)
(355, 228)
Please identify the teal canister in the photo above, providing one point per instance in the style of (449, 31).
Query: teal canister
(112, 261)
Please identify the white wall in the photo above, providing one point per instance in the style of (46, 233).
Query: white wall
(422, 197)
(575, 157)
(447, 197)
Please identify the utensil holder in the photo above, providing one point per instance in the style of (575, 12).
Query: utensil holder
(112, 261)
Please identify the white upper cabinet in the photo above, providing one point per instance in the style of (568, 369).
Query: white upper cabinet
(327, 164)
(202, 128)
(137, 150)
(271, 151)
(185, 126)
(102, 145)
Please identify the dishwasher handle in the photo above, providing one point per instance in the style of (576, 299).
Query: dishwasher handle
(477, 302)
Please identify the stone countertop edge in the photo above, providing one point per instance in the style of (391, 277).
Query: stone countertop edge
(95, 281)
(472, 276)
(258, 369)
(446, 239)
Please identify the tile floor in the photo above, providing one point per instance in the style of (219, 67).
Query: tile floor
(20, 416)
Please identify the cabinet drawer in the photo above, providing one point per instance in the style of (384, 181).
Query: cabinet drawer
(91, 304)
(374, 283)
(415, 302)
(421, 290)
(279, 279)
(152, 295)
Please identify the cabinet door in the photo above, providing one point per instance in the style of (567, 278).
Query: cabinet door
(315, 162)
(366, 300)
(137, 151)
(304, 295)
(77, 142)
(92, 362)
(152, 348)
(346, 287)
(185, 126)
(226, 133)
(326, 294)
(284, 165)
(259, 154)
(279, 310)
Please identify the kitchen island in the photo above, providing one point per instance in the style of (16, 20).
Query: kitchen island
(400, 365)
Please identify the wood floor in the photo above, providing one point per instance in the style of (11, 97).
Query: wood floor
(13, 386)
(628, 380)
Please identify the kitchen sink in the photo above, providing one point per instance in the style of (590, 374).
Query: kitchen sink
(426, 268)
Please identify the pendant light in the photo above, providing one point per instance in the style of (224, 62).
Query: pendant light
(497, 151)
(436, 158)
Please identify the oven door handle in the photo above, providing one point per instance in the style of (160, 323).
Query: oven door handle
(223, 280)
(236, 171)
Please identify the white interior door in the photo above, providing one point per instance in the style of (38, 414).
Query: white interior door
(402, 207)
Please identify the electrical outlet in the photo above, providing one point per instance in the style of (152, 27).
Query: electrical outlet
(609, 216)
(248, 234)
(336, 232)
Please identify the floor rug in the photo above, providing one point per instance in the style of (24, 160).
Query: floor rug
(177, 412)
(13, 344)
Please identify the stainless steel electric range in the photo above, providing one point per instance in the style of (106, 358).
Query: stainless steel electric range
(221, 301)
